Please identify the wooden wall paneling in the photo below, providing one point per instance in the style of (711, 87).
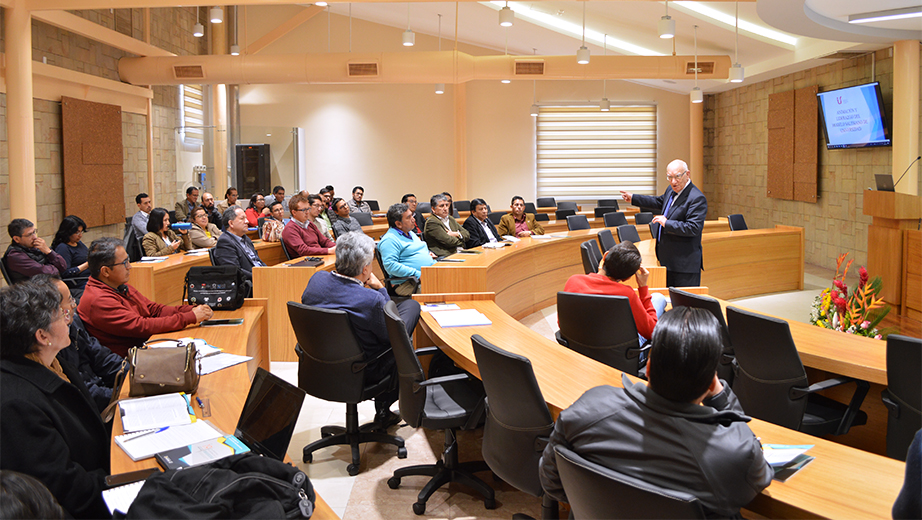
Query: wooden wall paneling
(780, 182)
(883, 242)
(92, 161)
(912, 274)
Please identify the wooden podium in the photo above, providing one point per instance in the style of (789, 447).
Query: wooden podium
(894, 228)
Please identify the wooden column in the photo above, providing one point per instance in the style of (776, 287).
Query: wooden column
(695, 144)
(19, 116)
(906, 114)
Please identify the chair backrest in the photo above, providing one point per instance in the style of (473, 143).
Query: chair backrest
(575, 222)
(904, 364)
(615, 219)
(643, 218)
(562, 214)
(518, 422)
(410, 372)
(737, 222)
(682, 298)
(424, 207)
(6, 275)
(606, 240)
(364, 219)
(495, 217)
(595, 491)
(284, 248)
(627, 232)
(259, 225)
(172, 214)
(463, 205)
(330, 359)
(530, 208)
(211, 257)
(766, 368)
(373, 205)
(608, 203)
(600, 211)
(567, 205)
(589, 251)
(542, 217)
(654, 229)
(600, 327)
(546, 202)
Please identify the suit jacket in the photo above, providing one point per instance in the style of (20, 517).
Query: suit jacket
(438, 239)
(199, 239)
(229, 251)
(478, 235)
(154, 245)
(679, 246)
(182, 210)
(507, 225)
(420, 223)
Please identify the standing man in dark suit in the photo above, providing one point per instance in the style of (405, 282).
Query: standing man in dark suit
(479, 226)
(234, 247)
(678, 229)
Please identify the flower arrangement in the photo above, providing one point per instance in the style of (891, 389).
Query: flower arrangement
(853, 313)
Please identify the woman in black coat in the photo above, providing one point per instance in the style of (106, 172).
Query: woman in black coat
(50, 428)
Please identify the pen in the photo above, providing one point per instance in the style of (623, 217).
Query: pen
(200, 403)
(148, 433)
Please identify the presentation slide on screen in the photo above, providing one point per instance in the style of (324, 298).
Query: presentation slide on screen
(852, 116)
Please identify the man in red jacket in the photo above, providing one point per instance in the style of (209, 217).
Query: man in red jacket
(117, 314)
(301, 236)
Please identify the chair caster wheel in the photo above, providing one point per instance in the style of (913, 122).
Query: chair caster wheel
(419, 507)
(308, 458)
(401, 452)
(352, 469)
(489, 503)
(393, 482)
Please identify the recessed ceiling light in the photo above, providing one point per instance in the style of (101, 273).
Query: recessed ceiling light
(730, 20)
(889, 14)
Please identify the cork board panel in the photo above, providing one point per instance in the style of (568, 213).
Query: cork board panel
(92, 161)
(805, 191)
(806, 125)
(805, 173)
(781, 181)
(781, 110)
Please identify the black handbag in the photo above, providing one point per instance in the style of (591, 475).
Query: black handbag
(220, 287)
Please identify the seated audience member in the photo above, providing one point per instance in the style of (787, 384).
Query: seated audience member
(203, 233)
(208, 204)
(24, 496)
(327, 208)
(620, 263)
(184, 207)
(353, 288)
(402, 252)
(51, 429)
(256, 209)
(482, 231)
(355, 204)
(235, 247)
(139, 219)
(908, 503)
(301, 236)
(117, 314)
(518, 223)
(28, 255)
(67, 243)
(344, 223)
(419, 221)
(278, 195)
(684, 430)
(443, 233)
(96, 364)
(321, 224)
(230, 199)
(451, 204)
(160, 240)
(331, 189)
(274, 223)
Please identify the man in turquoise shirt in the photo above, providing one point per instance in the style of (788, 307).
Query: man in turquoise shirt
(402, 252)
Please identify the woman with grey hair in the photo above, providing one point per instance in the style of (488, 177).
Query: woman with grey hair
(354, 288)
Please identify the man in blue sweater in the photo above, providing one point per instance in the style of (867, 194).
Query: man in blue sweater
(353, 288)
(402, 252)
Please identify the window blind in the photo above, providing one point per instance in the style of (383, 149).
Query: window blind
(584, 154)
(193, 114)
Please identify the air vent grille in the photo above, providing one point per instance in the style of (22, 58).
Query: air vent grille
(704, 67)
(529, 68)
(188, 72)
(363, 69)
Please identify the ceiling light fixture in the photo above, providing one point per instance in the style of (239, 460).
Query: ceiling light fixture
(737, 73)
(506, 16)
(198, 30)
(439, 88)
(321, 4)
(605, 104)
(409, 37)
(666, 25)
(889, 14)
(696, 95)
(534, 91)
(217, 14)
(710, 12)
(235, 48)
(506, 81)
(582, 55)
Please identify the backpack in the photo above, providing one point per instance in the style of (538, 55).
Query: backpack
(239, 486)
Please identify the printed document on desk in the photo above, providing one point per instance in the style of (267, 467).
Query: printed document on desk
(220, 361)
(155, 412)
(141, 445)
(460, 318)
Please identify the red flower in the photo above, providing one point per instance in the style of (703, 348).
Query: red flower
(841, 286)
(840, 304)
(862, 276)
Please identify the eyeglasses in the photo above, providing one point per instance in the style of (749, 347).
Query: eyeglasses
(671, 178)
(32, 234)
(299, 209)
(126, 263)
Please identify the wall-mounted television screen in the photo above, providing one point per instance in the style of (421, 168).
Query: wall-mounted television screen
(853, 117)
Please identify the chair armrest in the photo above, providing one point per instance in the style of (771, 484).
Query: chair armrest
(427, 351)
(359, 366)
(541, 443)
(561, 340)
(444, 379)
(797, 392)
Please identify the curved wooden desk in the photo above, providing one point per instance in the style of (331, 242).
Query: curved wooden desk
(842, 482)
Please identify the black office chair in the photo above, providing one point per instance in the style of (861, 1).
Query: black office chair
(211, 257)
(771, 384)
(609, 203)
(530, 208)
(518, 422)
(903, 396)
(601, 211)
(643, 218)
(331, 366)
(562, 214)
(589, 252)
(546, 202)
(447, 403)
(172, 214)
(423, 207)
(615, 219)
(606, 240)
(627, 232)
(6, 274)
(388, 281)
(595, 491)
(495, 217)
(463, 205)
(542, 217)
(373, 205)
(259, 225)
(654, 230)
(682, 298)
(364, 219)
(576, 222)
(737, 222)
(600, 327)
(285, 248)
(567, 205)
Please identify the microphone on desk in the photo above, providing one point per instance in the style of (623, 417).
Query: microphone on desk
(907, 171)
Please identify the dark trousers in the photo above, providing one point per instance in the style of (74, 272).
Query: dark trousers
(674, 279)
(409, 313)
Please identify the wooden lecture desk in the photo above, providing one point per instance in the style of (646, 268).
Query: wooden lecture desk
(163, 282)
(842, 482)
(226, 390)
